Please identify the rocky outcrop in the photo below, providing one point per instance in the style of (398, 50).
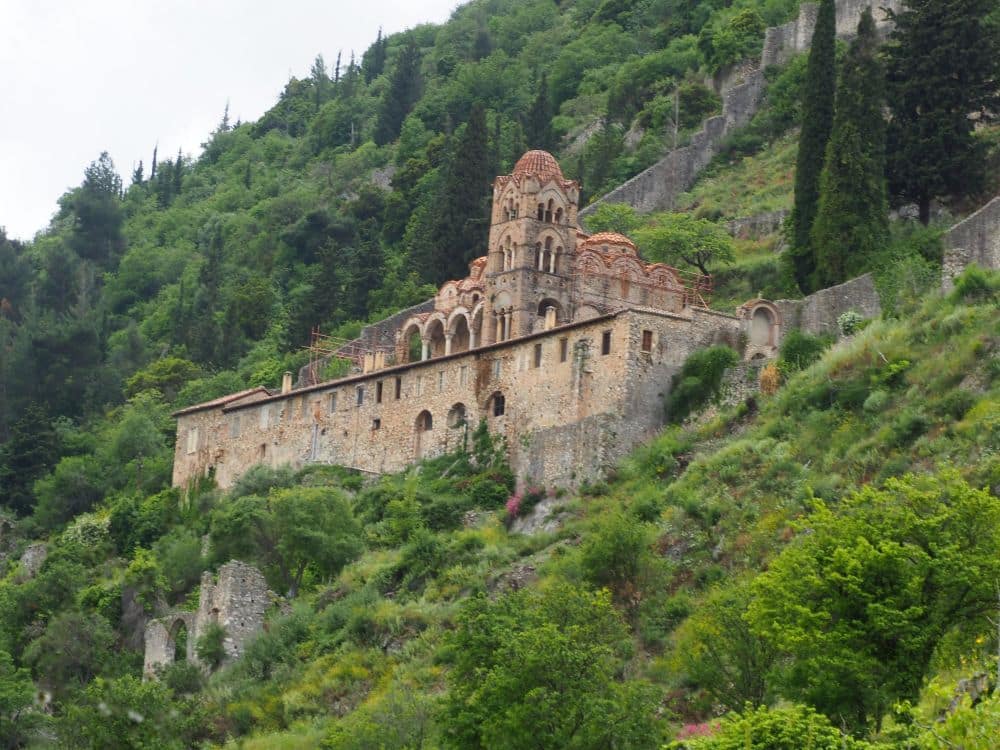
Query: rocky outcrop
(32, 560)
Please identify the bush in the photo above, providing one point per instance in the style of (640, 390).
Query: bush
(850, 323)
(976, 286)
(699, 381)
(182, 677)
(210, 646)
(799, 350)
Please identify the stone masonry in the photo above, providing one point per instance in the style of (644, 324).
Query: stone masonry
(565, 343)
(974, 240)
(742, 91)
(237, 601)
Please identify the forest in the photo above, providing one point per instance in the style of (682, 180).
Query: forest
(816, 566)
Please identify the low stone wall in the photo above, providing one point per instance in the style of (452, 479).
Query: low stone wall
(817, 314)
(757, 226)
(742, 90)
(974, 240)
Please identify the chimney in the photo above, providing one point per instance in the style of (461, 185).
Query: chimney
(286, 382)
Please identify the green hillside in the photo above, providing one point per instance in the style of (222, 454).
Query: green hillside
(819, 562)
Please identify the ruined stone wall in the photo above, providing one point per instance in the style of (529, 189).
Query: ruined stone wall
(757, 226)
(742, 91)
(237, 601)
(563, 419)
(817, 314)
(974, 240)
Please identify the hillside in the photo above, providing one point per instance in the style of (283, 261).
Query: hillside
(818, 560)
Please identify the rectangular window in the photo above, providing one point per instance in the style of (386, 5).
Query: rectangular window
(378, 392)
(333, 402)
(647, 341)
(361, 395)
(399, 388)
(376, 424)
(538, 355)
(420, 385)
(441, 381)
(463, 375)
(496, 368)
(264, 417)
(606, 342)
(192, 445)
(305, 408)
(563, 350)
(234, 426)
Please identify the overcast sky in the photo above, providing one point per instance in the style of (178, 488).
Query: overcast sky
(78, 77)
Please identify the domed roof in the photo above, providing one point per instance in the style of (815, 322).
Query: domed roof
(608, 238)
(539, 164)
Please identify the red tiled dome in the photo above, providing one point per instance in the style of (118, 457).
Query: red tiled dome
(539, 164)
(607, 238)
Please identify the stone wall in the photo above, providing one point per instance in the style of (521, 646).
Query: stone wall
(974, 240)
(757, 226)
(742, 90)
(565, 418)
(237, 600)
(817, 314)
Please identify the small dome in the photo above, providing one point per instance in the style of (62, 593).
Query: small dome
(608, 238)
(539, 164)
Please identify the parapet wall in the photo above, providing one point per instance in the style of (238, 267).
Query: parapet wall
(817, 314)
(974, 240)
(657, 188)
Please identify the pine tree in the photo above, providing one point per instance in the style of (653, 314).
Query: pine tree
(852, 223)
(943, 67)
(817, 122)
(402, 94)
(320, 82)
(178, 173)
(539, 125)
(373, 61)
(461, 210)
(137, 177)
(152, 168)
(336, 68)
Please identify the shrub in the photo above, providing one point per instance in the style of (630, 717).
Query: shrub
(974, 285)
(850, 323)
(210, 646)
(770, 379)
(699, 381)
(799, 350)
(182, 677)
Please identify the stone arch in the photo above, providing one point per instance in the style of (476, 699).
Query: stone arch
(459, 332)
(424, 423)
(550, 312)
(180, 639)
(434, 337)
(457, 415)
(591, 263)
(410, 341)
(476, 326)
(587, 312)
(764, 323)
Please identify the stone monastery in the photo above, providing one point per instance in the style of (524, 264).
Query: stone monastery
(564, 342)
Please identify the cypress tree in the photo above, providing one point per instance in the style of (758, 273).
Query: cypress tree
(373, 61)
(852, 223)
(178, 173)
(539, 125)
(817, 121)
(943, 66)
(402, 94)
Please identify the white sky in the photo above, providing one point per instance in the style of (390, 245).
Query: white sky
(78, 77)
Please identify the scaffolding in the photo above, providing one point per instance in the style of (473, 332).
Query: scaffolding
(323, 348)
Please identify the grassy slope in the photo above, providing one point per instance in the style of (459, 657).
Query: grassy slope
(904, 395)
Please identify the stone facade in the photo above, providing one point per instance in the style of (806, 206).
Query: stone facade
(564, 343)
(974, 240)
(742, 89)
(237, 601)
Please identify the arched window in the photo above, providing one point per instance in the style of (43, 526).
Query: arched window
(456, 415)
(548, 212)
(498, 404)
(179, 636)
(761, 326)
(538, 255)
(424, 423)
(559, 216)
(546, 264)
(554, 263)
(541, 212)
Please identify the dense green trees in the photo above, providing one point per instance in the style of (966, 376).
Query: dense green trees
(861, 601)
(818, 95)
(852, 222)
(943, 74)
(402, 94)
(537, 670)
(682, 239)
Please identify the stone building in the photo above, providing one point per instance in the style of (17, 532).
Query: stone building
(565, 343)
